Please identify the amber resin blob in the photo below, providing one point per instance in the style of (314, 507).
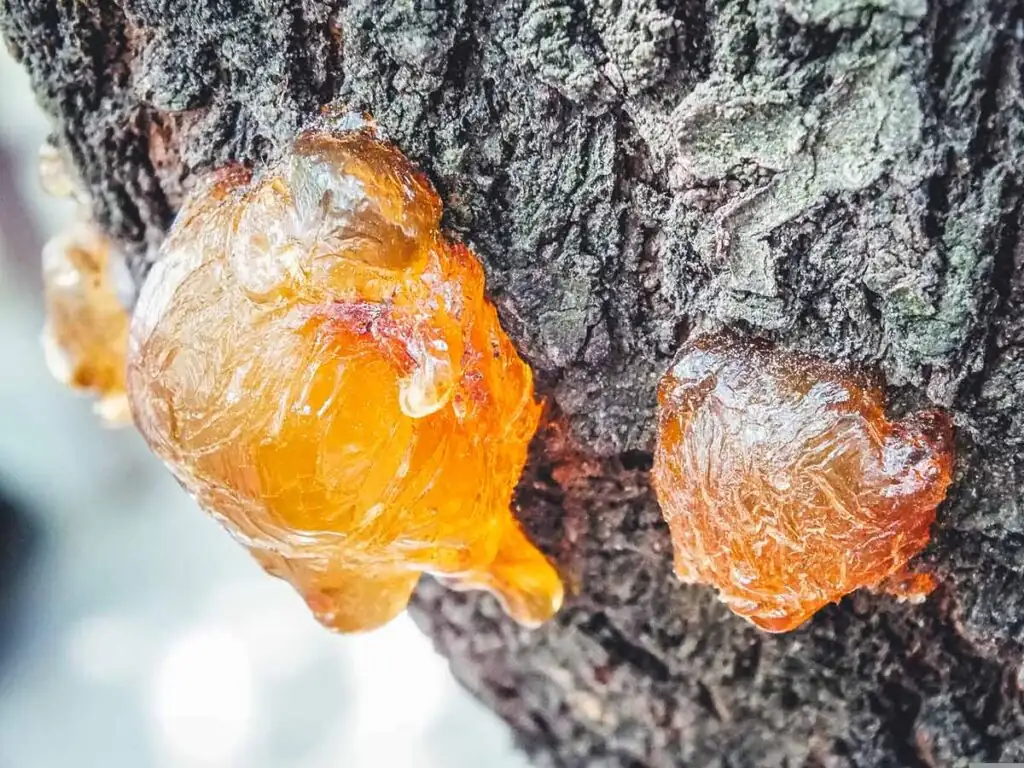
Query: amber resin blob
(319, 367)
(784, 484)
(86, 333)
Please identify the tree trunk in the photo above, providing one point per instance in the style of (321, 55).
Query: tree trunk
(843, 177)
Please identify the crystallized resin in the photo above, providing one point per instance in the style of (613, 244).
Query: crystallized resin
(785, 486)
(319, 366)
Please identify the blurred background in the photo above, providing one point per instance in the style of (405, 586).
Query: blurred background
(133, 631)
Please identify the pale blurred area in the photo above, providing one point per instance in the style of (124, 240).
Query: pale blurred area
(133, 631)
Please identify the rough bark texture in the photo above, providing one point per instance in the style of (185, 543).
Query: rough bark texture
(843, 177)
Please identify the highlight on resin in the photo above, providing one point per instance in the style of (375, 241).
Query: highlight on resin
(785, 486)
(85, 337)
(319, 366)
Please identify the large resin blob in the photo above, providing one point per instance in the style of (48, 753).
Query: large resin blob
(86, 333)
(784, 484)
(318, 365)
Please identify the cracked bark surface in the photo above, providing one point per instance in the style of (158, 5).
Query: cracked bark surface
(843, 177)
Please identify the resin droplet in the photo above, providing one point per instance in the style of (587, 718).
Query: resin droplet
(86, 333)
(784, 484)
(318, 365)
(54, 176)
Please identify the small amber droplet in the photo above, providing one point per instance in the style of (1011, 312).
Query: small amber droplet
(784, 484)
(86, 333)
(908, 586)
(319, 366)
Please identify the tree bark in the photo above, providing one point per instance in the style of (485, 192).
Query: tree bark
(843, 177)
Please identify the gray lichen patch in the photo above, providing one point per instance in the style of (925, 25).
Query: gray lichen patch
(865, 124)
(844, 13)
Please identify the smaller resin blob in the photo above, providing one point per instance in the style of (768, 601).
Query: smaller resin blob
(86, 333)
(319, 366)
(785, 486)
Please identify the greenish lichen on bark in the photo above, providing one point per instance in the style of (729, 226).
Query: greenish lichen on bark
(843, 177)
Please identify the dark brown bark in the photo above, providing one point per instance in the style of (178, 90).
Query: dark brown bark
(843, 177)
